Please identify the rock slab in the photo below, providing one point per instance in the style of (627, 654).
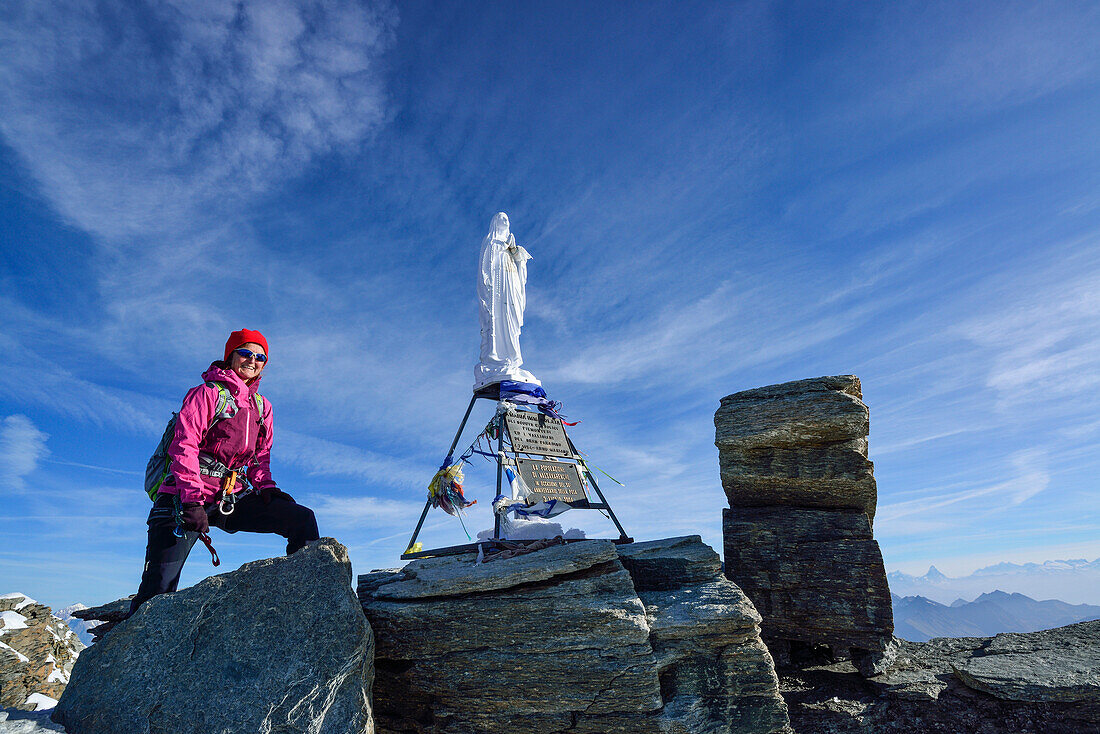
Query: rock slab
(279, 645)
(1037, 682)
(570, 638)
(104, 616)
(37, 653)
(1052, 665)
(802, 495)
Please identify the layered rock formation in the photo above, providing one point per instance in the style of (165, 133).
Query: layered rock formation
(1044, 682)
(277, 645)
(579, 638)
(37, 652)
(802, 496)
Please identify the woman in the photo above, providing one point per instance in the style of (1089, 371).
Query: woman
(220, 450)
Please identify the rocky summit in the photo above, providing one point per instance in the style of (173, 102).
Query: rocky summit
(37, 652)
(585, 637)
(802, 495)
(279, 645)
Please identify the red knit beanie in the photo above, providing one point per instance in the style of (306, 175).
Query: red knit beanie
(244, 336)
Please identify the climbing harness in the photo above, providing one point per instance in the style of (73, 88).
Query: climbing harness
(234, 483)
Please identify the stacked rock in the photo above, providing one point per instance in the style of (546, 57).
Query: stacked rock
(585, 637)
(802, 499)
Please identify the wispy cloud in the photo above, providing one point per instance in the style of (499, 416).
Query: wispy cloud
(74, 396)
(134, 119)
(22, 447)
(1030, 478)
(155, 127)
(970, 60)
(1042, 342)
(320, 457)
(342, 512)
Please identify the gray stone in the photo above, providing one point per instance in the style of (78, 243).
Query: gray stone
(799, 444)
(911, 685)
(549, 650)
(670, 563)
(831, 476)
(1052, 665)
(814, 575)
(923, 692)
(451, 575)
(114, 611)
(108, 615)
(875, 662)
(817, 411)
(277, 645)
(716, 673)
(15, 721)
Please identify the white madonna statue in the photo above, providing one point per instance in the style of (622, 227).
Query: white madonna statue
(502, 298)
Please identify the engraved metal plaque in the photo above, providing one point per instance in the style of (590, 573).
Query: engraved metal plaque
(535, 433)
(551, 480)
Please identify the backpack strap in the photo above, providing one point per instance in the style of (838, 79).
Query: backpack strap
(263, 426)
(224, 399)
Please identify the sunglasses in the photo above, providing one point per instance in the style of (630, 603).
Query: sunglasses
(261, 357)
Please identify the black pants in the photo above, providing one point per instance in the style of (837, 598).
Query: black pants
(165, 554)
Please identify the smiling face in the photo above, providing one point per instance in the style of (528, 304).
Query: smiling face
(247, 368)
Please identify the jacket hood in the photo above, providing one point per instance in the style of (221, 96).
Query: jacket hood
(230, 379)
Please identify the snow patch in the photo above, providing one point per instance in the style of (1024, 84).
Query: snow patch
(12, 621)
(27, 601)
(40, 701)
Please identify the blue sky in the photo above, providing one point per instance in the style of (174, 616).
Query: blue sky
(717, 196)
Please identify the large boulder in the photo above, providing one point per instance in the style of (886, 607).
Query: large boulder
(568, 639)
(277, 645)
(802, 495)
(37, 653)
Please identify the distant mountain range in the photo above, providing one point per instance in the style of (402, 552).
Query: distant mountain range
(79, 626)
(1075, 581)
(919, 619)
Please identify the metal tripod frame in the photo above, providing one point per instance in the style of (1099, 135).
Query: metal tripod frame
(492, 392)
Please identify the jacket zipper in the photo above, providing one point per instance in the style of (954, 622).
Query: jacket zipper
(247, 426)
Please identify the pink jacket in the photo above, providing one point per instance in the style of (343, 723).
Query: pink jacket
(244, 439)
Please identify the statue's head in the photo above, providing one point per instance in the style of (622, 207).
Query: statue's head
(500, 228)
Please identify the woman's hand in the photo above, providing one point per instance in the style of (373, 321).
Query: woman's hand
(194, 517)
